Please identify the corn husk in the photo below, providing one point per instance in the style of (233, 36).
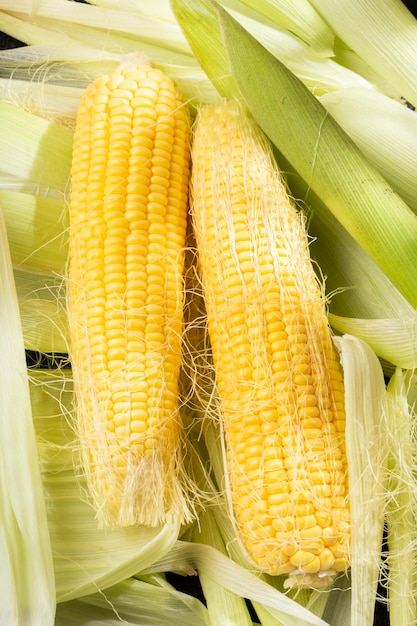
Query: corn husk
(27, 596)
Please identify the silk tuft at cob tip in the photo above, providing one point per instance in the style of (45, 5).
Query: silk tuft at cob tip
(278, 380)
(128, 214)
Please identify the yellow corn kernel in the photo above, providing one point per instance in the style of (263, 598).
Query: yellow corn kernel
(277, 376)
(128, 214)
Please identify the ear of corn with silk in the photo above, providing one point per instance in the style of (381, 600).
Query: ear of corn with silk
(128, 209)
(278, 379)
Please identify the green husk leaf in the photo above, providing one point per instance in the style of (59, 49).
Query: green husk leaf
(384, 130)
(394, 339)
(34, 146)
(346, 57)
(32, 34)
(402, 500)
(390, 44)
(27, 590)
(159, 9)
(137, 603)
(299, 18)
(151, 29)
(37, 232)
(200, 25)
(367, 453)
(338, 607)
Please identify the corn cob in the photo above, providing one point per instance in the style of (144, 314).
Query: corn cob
(128, 214)
(278, 380)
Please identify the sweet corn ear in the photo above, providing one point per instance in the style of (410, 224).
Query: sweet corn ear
(277, 376)
(128, 214)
